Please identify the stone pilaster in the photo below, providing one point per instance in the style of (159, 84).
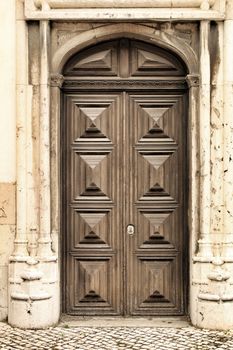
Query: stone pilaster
(212, 289)
(34, 291)
(204, 137)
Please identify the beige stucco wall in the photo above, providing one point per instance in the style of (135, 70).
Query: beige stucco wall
(7, 144)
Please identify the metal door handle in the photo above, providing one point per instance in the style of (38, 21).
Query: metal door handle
(130, 230)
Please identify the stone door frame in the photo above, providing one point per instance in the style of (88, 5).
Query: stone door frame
(142, 33)
(38, 266)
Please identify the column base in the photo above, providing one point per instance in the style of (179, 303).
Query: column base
(211, 295)
(214, 315)
(34, 298)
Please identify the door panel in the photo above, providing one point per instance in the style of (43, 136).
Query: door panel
(93, 177)
(159, 277)
(156, 208)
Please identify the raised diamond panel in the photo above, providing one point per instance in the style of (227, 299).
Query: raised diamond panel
(93, 276)
(93, 123)
(158, 276)
(154, 118)
(153, 121)
(152, 62)
(157, 273)
(93, 119)
(153, 182)
(148, 60)
(157, 119)
(92, 228)
(101, 61)
(95, 170)
(157, 229)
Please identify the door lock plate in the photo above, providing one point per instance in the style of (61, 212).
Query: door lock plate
(130, 230)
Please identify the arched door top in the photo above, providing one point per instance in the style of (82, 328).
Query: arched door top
(124, 58)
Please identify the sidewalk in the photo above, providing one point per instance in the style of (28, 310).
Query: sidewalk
(70, 337)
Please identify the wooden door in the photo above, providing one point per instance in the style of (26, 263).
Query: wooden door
(124, 169)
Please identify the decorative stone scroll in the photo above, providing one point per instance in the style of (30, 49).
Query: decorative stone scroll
(193, 80)
(56, 80)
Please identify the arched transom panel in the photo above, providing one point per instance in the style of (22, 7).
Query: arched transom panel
(124, 58)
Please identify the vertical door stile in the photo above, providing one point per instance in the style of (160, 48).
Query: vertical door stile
(124, 197)
(124, 58)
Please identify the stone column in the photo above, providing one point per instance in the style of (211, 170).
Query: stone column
(202, 255)
(194, 183)
(212, 275)
(47, 312)
(228, 133)
(34, 290)
(205, 251)
(55, 85)
(19, 258)
(216, 128)
(21, 136)
(44, 249)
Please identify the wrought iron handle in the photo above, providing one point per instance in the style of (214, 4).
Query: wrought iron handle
(130, 230)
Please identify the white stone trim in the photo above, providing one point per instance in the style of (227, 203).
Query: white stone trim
(205, 250)
(44, 249)
(21, 239)
(72, 4)
(110, 14)
(127, 10)
(228, 127)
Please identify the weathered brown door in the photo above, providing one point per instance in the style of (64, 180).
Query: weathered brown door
(124, 168)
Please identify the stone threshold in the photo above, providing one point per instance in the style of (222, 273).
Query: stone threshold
(118, 321)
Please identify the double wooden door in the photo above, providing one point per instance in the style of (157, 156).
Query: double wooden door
(124, 201)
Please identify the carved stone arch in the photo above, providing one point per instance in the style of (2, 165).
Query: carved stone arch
(128, 30)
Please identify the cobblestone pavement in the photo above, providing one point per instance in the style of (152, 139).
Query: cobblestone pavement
(114, 338)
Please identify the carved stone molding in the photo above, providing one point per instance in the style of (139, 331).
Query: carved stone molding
(193, 80)
(223, 253)
(123, 9)
(67, 4)
(215, 297)
(125, 84)
(31, 297)
(219, 276)
(56, 80)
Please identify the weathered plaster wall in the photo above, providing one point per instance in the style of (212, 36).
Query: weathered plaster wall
(7, 144)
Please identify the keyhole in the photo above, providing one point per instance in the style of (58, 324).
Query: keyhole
(130, 229)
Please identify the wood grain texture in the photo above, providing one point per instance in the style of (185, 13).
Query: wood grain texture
(124, 162)
(124, 58)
